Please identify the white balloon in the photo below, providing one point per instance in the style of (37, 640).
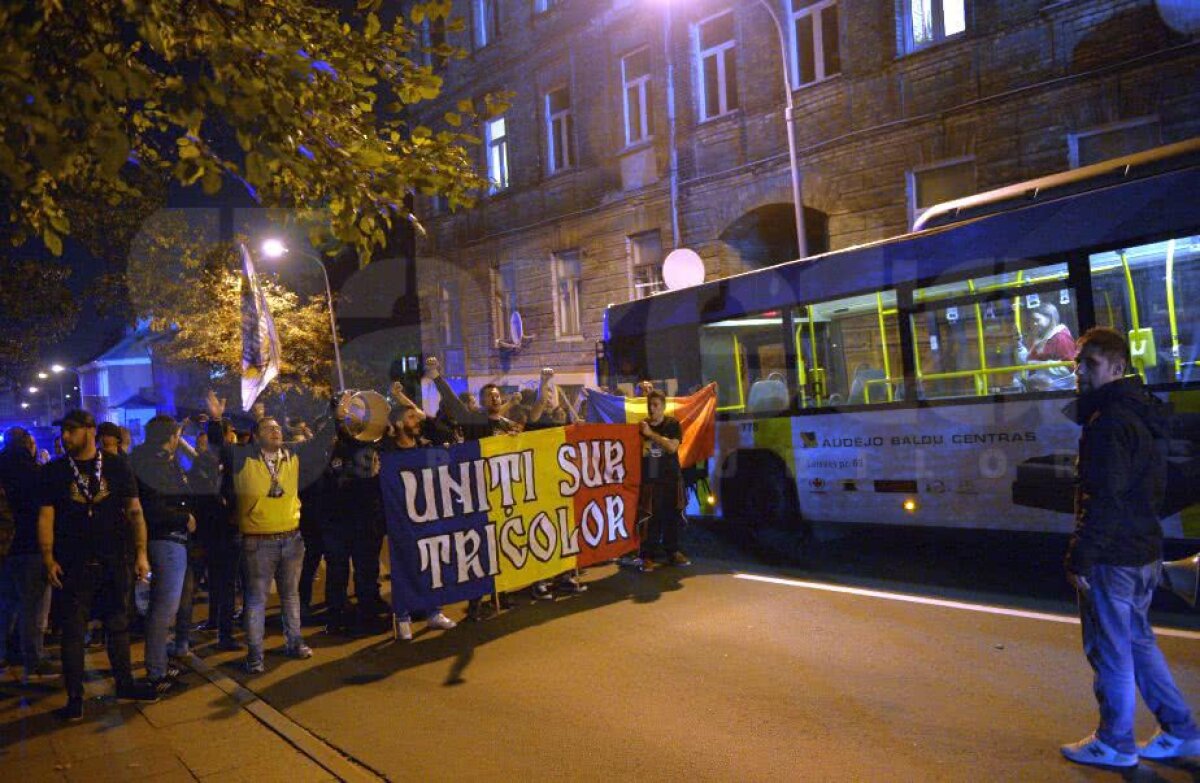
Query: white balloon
(683, 268)
(1182, 16)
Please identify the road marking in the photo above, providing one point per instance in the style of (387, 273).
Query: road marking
(920, 599)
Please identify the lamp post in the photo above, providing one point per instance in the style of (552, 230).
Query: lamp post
(274, 248)
(789, 116)
(58, 370)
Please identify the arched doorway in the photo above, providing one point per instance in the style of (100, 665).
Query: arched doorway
(766, 235)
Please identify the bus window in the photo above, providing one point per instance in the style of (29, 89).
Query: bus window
(747, 359)
(996, 344)
(1151, 294)
(1005, 281)
(848, 351)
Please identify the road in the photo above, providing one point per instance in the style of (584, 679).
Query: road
(699, 674)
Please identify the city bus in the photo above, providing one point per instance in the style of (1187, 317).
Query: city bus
(908, 381)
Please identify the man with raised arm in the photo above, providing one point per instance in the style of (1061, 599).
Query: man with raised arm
(89, 515)
(261, 485)
(1115, 558)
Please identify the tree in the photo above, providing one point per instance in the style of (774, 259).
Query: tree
(183, 284)
(37, 310)
(302, 105)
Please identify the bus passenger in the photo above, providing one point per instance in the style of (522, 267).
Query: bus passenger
(1052, 343)
(662, 484)
(1115, 559)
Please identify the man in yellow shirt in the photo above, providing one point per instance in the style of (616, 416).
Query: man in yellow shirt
(260, 483)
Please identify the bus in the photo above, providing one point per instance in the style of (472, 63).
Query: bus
(911, 381)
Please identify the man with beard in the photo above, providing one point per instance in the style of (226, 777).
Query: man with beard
(89, 513)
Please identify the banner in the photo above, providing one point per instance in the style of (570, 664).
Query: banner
(501, 513)
(697, 415)
(260, 343)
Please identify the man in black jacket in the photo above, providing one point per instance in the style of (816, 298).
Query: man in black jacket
(19, 476)
(1115, 558)
(166, 502)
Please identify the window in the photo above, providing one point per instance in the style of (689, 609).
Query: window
(560, 130)
(496, 138)
(940, 182)
(635, 75)
(504, 298)
(451, 309)
(1151, 294)
(848, 351)
(747, 359)
(1007, 333)
(930, 21)
(718, 67)
(646, 257)
(487, 22)
(1112, 141)
(568, 278)
(814, 40)
(542, 6)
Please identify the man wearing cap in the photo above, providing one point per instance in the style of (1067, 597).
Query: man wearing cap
(89, 513)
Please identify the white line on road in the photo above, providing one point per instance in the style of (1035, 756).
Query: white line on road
(919, 599)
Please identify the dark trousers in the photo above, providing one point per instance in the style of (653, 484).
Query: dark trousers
(224, 557)
(359, 541)
(662, 529)
(314, 550)
(105, 585)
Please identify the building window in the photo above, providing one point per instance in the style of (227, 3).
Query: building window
(504, 298)
(645, 260)
(635, 75)
(451, 309)
(815, 38)
(1112, 141)
(496, 138)
(938, 183)
(928, 22)
(542, 6)
(716, 44)
(568, 277)
(560, 130)
(487, 22)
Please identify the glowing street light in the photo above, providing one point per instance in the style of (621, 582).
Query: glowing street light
(24, 405)
(42, 376)
(274, 248)
(33, 390)
(56, 368)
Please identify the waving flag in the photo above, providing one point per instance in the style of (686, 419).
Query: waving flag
(260, 343)
(696, 413)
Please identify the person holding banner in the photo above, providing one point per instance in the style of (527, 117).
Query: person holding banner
(662, 484)
(261, 484)
(406, 421)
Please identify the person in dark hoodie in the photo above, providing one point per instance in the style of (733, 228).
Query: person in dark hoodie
(167, 504)
(1114, 559)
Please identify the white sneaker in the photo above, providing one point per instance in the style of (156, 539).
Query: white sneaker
(404, 630)
(440, 621)
(1092, 750)
(1167, 746)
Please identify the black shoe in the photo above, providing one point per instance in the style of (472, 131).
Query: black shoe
(161, 684)
(73, 712)
(137, 691)
(228, 644)
(173, 672)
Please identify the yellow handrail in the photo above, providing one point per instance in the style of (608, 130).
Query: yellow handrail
(887, 370)
(737, 369)
(979, 389)
(1133, 311)
(975, 374)
(1171, 308)
(801, 373)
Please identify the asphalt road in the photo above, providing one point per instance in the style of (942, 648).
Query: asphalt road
(697, 674)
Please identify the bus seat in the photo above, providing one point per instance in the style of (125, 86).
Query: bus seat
(860, 392)
(768, 395)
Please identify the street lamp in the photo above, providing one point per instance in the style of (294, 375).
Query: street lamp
(275, 248)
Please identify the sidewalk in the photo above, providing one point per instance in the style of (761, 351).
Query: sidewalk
(206, 728)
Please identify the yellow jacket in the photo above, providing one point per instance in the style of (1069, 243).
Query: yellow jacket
(258, 513)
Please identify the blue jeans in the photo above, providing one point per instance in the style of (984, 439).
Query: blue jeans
(272, 558)
(1121, 649)
(168, 564)
(25, 598)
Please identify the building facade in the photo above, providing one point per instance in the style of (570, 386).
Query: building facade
(635, 127)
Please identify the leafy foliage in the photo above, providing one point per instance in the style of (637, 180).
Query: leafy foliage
(184, 284)
(302, 105)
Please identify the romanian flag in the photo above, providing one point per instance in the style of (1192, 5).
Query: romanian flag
(504, 512)
(696, 413)
(260, 343)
